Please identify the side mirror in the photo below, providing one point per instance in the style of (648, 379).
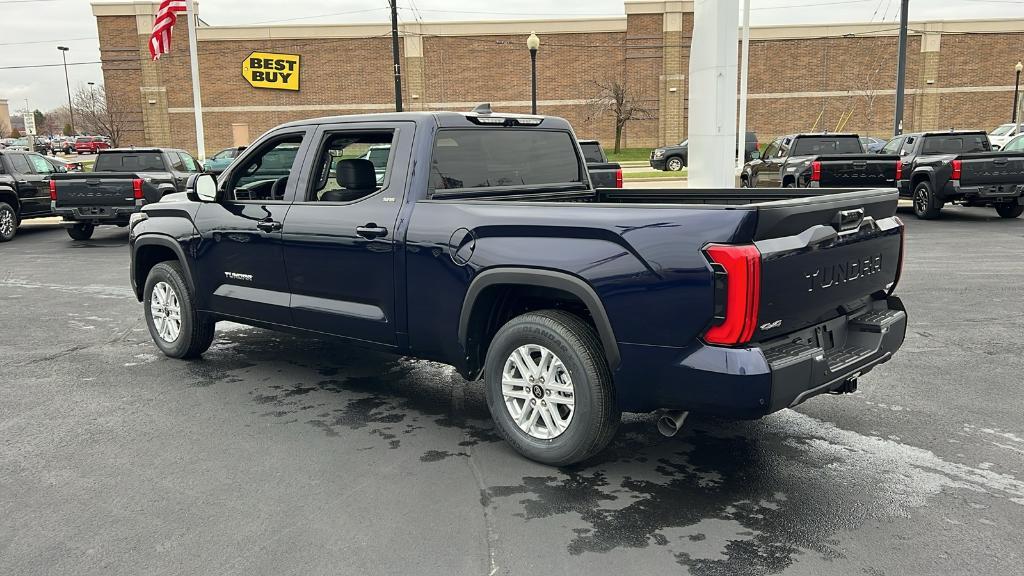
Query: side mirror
(201, 188)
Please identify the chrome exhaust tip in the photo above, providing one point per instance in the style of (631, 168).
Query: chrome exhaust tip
(670, 422)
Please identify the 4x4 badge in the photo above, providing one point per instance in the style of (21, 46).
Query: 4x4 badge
(771, 325)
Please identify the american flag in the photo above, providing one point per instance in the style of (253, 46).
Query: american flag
(160, 37)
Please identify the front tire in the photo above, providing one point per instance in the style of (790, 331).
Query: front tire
(674, 164)
(81, 231)
(926, 205)
(549, 388)
(8, 222)
(177, 328)
(1009, 210)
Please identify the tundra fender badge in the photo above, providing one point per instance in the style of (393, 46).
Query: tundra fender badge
(237, 276)
(771, 325)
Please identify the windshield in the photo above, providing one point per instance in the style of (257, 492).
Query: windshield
(129, 162)
(1015, 145)
(817, 145)
(1003, 130)
(485, 158)
(956, 144)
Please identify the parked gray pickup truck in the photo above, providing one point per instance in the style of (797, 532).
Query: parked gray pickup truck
(122, 181)
(603, 174)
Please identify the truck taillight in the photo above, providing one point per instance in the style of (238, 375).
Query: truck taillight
(53, 190)
(903, 249)
(618, 178)
(740, 268)
(956, 170)
(815, 171)
(899, 170)
(137, 188)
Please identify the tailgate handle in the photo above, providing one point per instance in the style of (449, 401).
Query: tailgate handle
(860, 164)
(848, 219)
(1000, 161)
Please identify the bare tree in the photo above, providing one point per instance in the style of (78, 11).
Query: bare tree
(5, 130)
(620, 99)
(96, 113)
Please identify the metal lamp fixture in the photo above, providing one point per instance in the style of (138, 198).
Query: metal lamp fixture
(533, 43)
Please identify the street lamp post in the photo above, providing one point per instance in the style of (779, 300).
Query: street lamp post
(1016, 93)
(533, 43)
(67, 84)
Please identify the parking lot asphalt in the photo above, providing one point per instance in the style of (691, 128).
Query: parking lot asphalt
(281, 455)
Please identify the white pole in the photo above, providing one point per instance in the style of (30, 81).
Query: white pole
(741, 136)
(197, 100)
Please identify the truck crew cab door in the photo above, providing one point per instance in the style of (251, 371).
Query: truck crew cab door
(239, 257)
(340, 236)
(33, 183)
(767, 175)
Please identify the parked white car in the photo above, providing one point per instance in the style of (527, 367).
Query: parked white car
(1001, 135)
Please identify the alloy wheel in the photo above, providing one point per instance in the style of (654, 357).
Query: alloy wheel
(166, 312)
(6, 223)
(538, 392)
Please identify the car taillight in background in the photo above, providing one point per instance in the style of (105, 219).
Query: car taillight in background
(737, 271)
(137, 188)
(899, 170)
(53, 190)
(815, 171)
(618, 178)
(956, 170)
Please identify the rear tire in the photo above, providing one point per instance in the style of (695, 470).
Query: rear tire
(177, 328)
(8, 222)
(81, 231)
(1009, 210)
(926, 205)
(577, 371)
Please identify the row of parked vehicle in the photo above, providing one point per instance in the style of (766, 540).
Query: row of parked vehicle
(65, 145)
(931, 168)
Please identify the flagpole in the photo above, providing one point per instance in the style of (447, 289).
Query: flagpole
(197, 100)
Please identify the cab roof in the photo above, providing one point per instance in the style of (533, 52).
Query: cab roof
(440, 119)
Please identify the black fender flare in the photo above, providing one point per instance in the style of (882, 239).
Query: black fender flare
(548, 279)
(166, 242)
(8, 193)
(928, 174)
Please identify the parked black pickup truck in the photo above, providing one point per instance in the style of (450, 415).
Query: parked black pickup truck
(958, 167)
(789, 161)
(121, 182)
(603, 174)
(570, 304)
(24, 189)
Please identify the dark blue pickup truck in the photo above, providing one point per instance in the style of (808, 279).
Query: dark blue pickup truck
(484, 246)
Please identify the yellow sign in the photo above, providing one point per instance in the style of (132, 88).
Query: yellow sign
(275, 71)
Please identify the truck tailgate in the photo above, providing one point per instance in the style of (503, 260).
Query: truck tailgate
(857, 170)
(829, 269)
(94, 190)
(991, 168)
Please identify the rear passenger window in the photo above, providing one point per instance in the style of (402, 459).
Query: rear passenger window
(177, 163)
(190, 163)
(351, 164)
(490, 158)
(20, 164)
(39, 164)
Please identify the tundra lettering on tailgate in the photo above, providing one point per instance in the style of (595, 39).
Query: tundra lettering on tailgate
(833, 274)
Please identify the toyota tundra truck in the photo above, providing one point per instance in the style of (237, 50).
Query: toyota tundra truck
(484, 246)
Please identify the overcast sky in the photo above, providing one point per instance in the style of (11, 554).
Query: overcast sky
(33, 28)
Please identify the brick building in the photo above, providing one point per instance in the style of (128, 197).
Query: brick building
(959, 73)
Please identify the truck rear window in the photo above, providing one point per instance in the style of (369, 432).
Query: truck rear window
(592, 152)
(956, 144)
(814, 146)
(489, 158)
(129, 162)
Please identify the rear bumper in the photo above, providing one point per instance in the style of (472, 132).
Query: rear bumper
(97, 214)
(995, 193)
(755, 381)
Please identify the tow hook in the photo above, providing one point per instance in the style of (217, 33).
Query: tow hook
(671, 421)
(847, 387)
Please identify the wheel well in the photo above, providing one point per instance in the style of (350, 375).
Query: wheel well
(146, 257)
(788, 180)
(498, 304)
(918, 178)
(10, 198)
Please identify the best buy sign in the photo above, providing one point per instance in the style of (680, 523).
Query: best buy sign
(276, 71)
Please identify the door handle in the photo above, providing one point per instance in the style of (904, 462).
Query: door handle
(371, 231)
(269, 225)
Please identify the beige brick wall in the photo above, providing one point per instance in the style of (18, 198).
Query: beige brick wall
(794, 83)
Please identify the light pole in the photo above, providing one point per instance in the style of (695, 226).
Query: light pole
(1016, 92)
(67, 84)
(533, 43)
